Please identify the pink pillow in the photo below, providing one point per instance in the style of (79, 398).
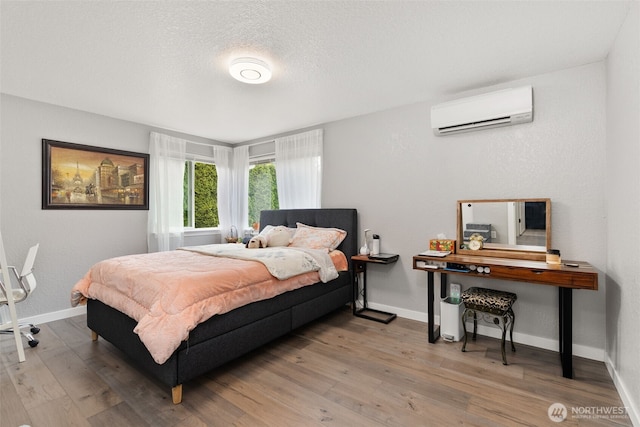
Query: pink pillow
(317, 237)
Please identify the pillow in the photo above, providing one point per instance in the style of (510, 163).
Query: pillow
(317, 237)
(268, 228)
(278, 236)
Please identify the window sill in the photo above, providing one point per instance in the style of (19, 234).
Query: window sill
(202, 232)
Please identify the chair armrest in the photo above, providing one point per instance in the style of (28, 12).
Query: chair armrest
(2, 286)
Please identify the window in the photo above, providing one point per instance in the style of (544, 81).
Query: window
(263, 189)
(200, 195)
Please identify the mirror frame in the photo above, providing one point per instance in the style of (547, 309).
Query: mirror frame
(506, 251)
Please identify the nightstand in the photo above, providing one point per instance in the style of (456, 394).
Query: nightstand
(360, 267)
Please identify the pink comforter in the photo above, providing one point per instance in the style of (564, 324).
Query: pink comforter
(170, 293)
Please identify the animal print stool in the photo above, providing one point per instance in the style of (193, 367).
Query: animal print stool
(494, 304)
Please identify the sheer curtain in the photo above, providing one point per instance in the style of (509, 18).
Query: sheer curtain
(240, 196)
(166, 168)
(223, 158)
(233, 187)
(299, 170)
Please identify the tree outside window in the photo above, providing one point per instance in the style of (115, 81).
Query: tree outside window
(263, 190)
(200, 195)
(200, 186)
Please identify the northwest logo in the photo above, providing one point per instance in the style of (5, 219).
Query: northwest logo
(557, 412)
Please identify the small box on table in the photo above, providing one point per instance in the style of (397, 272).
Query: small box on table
(442, 245)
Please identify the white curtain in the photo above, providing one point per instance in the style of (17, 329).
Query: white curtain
(166, 168)
(223, 158)
(240, 196)
(233, 187)
(299, 170)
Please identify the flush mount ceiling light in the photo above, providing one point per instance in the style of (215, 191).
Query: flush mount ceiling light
(250, 70)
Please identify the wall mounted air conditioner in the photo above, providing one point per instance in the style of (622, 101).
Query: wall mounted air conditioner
(502, 108)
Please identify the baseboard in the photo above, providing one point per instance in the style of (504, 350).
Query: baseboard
(55, 315)
(632, 410)
(587, 352)
(406, 314)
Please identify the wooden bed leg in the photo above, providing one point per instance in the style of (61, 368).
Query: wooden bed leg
(176, 394)
(94, 336)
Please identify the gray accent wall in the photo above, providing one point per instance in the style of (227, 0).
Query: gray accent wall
(71, 241)
(405, 182)
(622, 186)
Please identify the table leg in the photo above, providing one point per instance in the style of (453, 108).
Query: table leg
(433, 334)
(358, 267)
(363, 269)
(565, 334)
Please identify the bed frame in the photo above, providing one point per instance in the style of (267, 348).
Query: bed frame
(225, 337)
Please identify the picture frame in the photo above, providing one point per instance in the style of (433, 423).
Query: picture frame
(78, 176)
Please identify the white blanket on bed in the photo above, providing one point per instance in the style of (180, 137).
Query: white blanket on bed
(282, 262)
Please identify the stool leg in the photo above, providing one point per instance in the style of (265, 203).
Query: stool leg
(475, 325)
(513, 320)
(504, 335)
(464, 329)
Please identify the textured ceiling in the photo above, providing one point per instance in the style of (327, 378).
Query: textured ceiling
(165, 63)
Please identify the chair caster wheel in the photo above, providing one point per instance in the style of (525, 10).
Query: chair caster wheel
(35, 330)
(33, 343)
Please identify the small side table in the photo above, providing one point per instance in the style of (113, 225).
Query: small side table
(360, 266)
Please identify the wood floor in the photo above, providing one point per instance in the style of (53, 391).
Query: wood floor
(339, 371)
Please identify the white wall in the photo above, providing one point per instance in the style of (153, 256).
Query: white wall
(70, 240)
(623, 213)
(404, 182)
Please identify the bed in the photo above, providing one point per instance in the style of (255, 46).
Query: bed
(227, 336)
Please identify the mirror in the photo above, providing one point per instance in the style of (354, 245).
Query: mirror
(511, 228)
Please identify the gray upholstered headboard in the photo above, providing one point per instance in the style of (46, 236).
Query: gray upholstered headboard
(345, 219)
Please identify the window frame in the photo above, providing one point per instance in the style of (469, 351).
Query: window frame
(191, 230)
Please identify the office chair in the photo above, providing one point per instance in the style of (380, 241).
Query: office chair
(27, 282)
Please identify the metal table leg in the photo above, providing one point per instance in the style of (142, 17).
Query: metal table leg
(565, 334)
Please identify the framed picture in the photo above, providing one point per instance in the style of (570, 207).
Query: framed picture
(76, 176)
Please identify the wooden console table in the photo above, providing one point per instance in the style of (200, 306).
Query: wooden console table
(582, 276)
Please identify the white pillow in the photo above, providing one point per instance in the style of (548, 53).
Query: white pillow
(278, 236)
(268, 228)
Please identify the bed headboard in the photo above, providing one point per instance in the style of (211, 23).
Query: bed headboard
(345, 219)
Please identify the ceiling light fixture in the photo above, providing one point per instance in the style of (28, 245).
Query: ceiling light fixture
(250, 70)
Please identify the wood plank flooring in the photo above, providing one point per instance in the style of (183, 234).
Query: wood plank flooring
(339, 371)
